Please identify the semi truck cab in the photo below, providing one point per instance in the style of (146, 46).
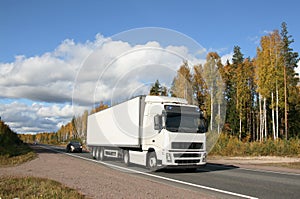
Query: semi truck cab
(175, 132)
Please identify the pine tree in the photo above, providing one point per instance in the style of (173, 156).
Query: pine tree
(156, 88)
(230, 76)
(290, 60)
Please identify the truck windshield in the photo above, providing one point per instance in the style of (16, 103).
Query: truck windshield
(184, 119)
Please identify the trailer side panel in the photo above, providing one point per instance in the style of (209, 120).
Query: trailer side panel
(117, 126)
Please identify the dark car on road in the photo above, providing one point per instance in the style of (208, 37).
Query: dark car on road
(74, 146)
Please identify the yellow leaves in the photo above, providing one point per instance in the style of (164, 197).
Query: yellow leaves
(268, 63)
(182, 85)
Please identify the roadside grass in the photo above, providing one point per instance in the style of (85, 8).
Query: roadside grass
(12, 150)
(31, 187)
(12, 155)
(231, 146)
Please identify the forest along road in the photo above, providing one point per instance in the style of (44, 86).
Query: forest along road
(216, 180)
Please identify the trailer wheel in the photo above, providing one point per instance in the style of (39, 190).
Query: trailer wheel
(97, 152)
(101, 154)
(152, 161)
(94, 152)
(126, 157)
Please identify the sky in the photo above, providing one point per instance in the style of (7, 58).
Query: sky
(58, 57)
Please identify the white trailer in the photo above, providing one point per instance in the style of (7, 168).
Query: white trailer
(153, 131)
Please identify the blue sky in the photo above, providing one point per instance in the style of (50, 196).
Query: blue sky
(33, 27)
(33, 31)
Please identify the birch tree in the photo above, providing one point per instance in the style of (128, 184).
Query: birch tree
(182, 83)
(212, 78)
(264, 74)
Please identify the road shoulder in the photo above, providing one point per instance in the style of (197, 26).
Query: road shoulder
(265, 163)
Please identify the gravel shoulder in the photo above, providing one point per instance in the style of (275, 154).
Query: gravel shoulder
(95, 180)
(260, 162)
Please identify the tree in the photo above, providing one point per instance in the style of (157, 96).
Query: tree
(200, 87)
(158, 90)
(101, 107)
(275, 76)
(7, 136)
(244, 78)
(230, 76)
(155, 89)
(182, 83)
(214, 85)
(237, 57)
(290, 60)
(264, 81)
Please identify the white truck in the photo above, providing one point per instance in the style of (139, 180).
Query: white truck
(153, 131)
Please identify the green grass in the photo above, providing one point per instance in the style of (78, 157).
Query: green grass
(232, 146)
(12, 155)
(31, 187)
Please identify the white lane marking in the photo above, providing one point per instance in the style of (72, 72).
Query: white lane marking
(260, 170)
(156, 176)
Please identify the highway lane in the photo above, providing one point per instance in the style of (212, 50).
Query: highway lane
(222, 181)
(248, 182)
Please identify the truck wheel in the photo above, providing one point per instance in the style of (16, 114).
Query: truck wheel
(152, 161)
(94, 152)
(126, 158)
(101, 154)
(97, 153)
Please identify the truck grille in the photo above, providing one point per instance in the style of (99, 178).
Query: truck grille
(187, 161)
(187, 145)
(187, 155)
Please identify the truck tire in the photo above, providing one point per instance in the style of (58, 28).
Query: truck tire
(152, 161)
(126, 157)
(101, 154)
(94, 152)
(97, 153)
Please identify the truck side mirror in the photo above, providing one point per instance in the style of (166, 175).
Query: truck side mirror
(203, 124)
(158, 122)
(203, 127)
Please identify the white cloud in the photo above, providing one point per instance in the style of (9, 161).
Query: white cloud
(267, 31)
(298, 69)
(36, 117)
(226, 57)
(83, 74)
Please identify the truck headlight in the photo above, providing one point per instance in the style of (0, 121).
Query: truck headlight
(168, 157)
(204, 157)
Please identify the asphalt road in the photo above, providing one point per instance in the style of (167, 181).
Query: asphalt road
(221, 181)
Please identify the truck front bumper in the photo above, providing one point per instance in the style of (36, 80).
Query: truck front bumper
(184, 159)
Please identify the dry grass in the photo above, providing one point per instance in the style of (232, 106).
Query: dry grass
(30, 187)
(12, 155)
(232, 146)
